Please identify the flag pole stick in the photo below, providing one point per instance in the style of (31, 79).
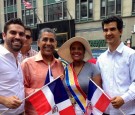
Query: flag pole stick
(122, 111)
(106, 95)
(33, 93)
(4, 111)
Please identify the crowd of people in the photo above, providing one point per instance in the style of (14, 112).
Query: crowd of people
(23, 70)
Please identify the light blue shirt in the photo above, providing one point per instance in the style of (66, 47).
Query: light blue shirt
(118, 75)
(11, 80)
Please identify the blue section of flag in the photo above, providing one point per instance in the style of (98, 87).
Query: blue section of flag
(47, 78)
(92, 88)
(58, 91)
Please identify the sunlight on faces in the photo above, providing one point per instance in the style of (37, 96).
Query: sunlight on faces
(47, 43)
(77, 51)
(14, 38)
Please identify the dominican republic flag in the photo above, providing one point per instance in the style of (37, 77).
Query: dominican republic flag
(97, 101)
(49, 77)
(52, 99)
(27, 4)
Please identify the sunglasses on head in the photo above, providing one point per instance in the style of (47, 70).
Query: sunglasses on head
(28, 36)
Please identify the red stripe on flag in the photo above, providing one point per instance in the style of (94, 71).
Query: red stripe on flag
(40, 103)
(102, 103)
(67, 111)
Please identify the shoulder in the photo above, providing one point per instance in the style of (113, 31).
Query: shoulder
(103, 55)
(29, 60)
(128, 50)
(33, 52)
(58, 61)
(90, 65)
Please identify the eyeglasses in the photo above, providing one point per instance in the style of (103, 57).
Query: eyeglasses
(27, 36)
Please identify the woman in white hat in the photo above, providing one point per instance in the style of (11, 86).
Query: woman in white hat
(77, 52)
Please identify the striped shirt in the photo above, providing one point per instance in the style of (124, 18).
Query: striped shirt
(30, 53)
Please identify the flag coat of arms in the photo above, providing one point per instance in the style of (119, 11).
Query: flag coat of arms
(97, 101)
(52, 99)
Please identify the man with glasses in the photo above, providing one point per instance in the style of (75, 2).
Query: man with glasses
(35, 68)
(27, 50)
(11, 77)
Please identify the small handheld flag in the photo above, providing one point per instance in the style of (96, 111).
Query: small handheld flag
(52, 99)
(97, 101)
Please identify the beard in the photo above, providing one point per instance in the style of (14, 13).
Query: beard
(14, 45)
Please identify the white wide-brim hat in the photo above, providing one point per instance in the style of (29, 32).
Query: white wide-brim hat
(64, 50)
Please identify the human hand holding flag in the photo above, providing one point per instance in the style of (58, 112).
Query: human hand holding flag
(97, 101)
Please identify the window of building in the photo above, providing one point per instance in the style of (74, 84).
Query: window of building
(103, 8)
(84, 9)
(55, 11)
(133, 6)
(110, 7)
(10, 9)
(29, 16)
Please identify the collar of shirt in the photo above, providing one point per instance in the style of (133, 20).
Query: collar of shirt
(27, 54)
(5, 52)
(39, 57)
(119, 48)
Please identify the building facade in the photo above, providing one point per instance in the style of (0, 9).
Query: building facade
(87, 16)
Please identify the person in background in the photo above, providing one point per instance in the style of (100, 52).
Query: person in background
(117, 66)
(27, 50)
(76, 51)
(11, 77)
(35, 68)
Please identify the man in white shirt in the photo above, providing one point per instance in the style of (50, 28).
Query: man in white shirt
(117, 66)
(11, 77)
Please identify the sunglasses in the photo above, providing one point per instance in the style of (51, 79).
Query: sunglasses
(28, 36)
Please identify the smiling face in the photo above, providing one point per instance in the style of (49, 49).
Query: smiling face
(14, 37)
(28, 40)
(77, 51)
(47, 43)
(112, 34)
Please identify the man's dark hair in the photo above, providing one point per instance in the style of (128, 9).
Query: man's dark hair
(46, 30)
(27, 28)
(116, 19)
(13, 21)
